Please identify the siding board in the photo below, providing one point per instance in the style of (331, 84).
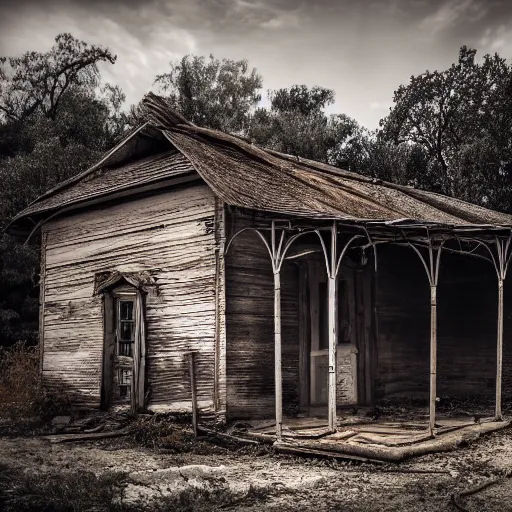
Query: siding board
(169, 235)
(467, 315)
(250, 327)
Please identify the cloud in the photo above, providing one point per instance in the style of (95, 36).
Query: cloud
(362, 50)
(377, 105)
(454, 12)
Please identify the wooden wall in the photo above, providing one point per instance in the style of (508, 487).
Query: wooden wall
(250, 327)
(467, 307)
(170, 235)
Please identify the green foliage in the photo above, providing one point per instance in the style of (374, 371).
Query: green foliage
(462, 118)
(19, 295)
(212, 93)
(301, 99)
(296, 123)
(38, 81)
(56, 119)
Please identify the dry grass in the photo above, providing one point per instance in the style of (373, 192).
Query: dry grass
(63, 491)
(21, 393)
(60, 491)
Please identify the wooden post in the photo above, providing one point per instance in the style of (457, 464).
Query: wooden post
(192, 372)
(499, 352)
(277, 352)
(108, 350)
(42, 295)
(333, 334)
(432, 269)
(433, 358)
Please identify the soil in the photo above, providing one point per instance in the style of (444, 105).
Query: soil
(423, 484)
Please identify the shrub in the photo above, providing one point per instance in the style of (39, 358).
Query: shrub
(21, 392)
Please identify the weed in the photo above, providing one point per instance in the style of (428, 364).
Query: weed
(60, 492)
(21, 392)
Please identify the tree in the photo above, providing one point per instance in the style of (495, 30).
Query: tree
(56, 119)
(368, 153)
(296, 123)
(212, 93)
(38, 81)
(462, 117)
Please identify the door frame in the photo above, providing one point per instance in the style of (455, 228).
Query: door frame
(361, 301)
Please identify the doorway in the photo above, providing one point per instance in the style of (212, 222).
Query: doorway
(354, 347)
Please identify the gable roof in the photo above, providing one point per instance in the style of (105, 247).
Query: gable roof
(243, 175)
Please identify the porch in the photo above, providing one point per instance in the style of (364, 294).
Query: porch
(337, 364)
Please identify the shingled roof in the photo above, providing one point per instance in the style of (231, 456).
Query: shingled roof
(243, 175)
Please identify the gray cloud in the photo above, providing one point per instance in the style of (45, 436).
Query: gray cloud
(362, 50)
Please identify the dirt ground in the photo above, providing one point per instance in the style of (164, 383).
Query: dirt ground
(422, 484)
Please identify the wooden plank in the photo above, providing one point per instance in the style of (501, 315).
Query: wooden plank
(314, 275)
(193, 393)
(220, 398)
(433, 358)
(108, 350)
(250, 326)
(499, 354)
(171, 236)
(42, 295)
(306, 451)
(368, 342)
(67, 438)
(304, 337)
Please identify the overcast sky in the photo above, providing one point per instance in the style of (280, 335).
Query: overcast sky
(362, 49)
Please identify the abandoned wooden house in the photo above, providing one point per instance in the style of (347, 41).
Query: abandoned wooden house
(301, 288)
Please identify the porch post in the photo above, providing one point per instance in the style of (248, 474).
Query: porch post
(433, 357)
(431, 266)
(277, 355)
(333, 328)
(499, 352)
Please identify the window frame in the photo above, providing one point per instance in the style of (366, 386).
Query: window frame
(120, 296)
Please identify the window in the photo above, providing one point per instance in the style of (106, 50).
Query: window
(125, 328)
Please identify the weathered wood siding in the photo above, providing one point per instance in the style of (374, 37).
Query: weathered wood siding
(171, 235)
(250, 327)
(467, 309)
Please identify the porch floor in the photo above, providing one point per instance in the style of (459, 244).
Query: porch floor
(372, 440)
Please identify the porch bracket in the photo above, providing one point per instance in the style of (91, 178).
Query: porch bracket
(333, 331)
(277, 249)
(500, 261)
(503, 249)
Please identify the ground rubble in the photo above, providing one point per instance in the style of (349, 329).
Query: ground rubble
(160, 460)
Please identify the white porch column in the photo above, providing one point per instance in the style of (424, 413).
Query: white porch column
(333, 329)
(277, 356)
(499, 352)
